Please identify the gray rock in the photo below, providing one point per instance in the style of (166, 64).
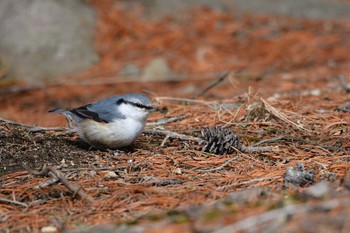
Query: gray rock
(130, 70)
(157, 69)
(318, 190)
(44, 39)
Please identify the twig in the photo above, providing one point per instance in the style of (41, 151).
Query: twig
(33, 128)
(166, 182)
(186, 101)
(76, 189)
(280, 115)
(16, 89)
(46, 183)
(219, 167)
(91, 81)
(248, 182)
(212, 84)
(269, 140)
(13, 202)
(166, 138)
(251, 223)
(171, 134)
(88, 169)
(257, 149)
(343, 83)
(167, 120)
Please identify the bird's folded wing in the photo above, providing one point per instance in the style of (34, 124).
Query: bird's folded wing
(85, 113)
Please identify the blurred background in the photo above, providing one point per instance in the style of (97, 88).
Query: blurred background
(65, 53)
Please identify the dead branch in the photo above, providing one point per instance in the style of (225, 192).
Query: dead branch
(13, 202)
(166, 138)
(87, 169)
(256, 149)
(32, 128)
(270, 140)
(212, 84)
(167, 182)
(248, 182)
(186, 101)
(47, 170)
(171, 134)
(167, 120)
(219, 167)
(252, 223)
(46, 183)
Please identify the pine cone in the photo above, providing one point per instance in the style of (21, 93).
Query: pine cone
(220, 140)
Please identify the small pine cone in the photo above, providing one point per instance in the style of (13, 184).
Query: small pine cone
(220, 140)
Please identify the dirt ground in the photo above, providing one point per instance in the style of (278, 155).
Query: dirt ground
(282, 85)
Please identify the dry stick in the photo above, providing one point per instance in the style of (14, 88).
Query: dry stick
(32, 128)
(13, 202)
(247, 182)
(166, 138)
(55, 173)
(252, 223)
(88, 169)
(212, 84)
(46, 183)
(269, 140)
(171, 134)
(246, 149)
(219, 167)
(95, 82)
(167, 120)
(186, 101)
(258, 149)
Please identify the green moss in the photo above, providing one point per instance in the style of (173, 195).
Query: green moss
(212, 214)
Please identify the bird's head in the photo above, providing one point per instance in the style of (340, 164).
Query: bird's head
(135, 106)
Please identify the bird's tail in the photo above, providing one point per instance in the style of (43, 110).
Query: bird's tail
(57, 110)
(71, 118)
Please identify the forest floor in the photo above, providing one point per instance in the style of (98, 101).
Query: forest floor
(273, 80)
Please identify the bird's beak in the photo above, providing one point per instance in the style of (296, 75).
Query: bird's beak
(154, 109)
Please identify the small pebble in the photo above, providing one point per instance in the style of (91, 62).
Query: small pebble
(49, 229)
(111, 174)
(318, 190)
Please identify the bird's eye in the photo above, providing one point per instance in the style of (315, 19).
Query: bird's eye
(120, 101)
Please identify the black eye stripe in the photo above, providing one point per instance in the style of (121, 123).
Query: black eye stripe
(123, 101)
(120, 101)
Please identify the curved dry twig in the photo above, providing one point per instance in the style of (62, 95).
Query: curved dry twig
(33, 128)
(46, 170)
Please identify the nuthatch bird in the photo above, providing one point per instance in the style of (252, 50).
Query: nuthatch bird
(111, 123)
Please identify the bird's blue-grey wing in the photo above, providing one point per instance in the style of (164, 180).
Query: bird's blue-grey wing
(106, 110)
(102, 111)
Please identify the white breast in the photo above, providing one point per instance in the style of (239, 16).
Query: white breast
(114, 135)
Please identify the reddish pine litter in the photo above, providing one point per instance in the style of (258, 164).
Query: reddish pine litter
(292, 64)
